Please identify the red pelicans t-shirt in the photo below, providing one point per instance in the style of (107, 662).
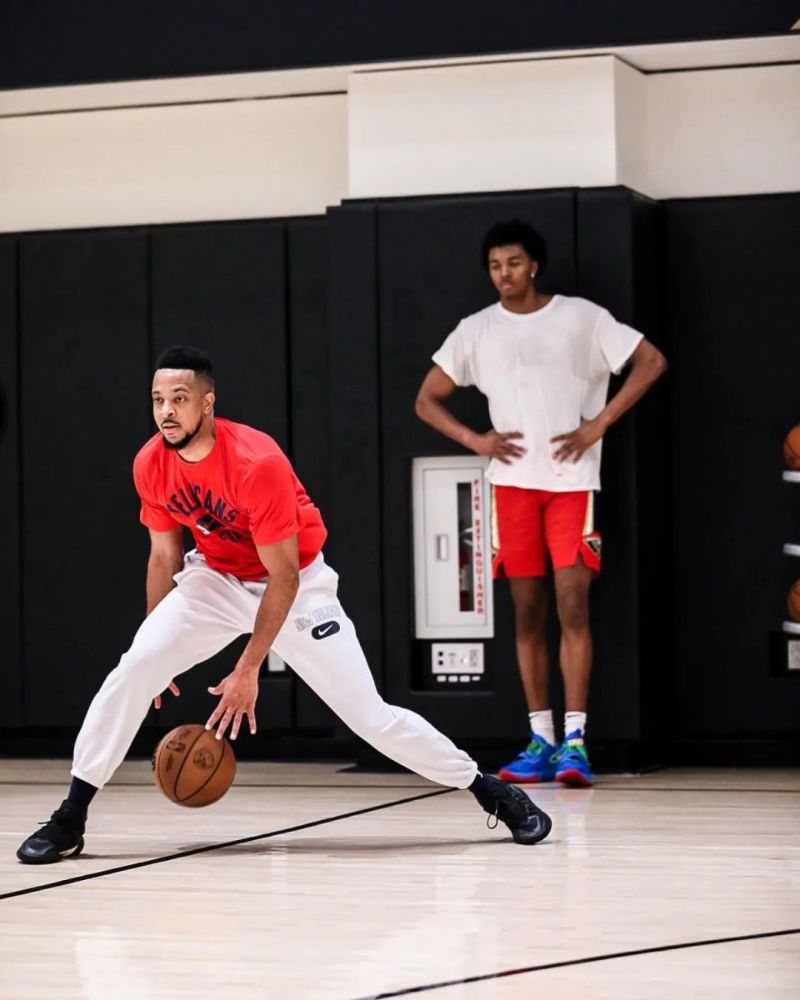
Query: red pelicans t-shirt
(242, 494)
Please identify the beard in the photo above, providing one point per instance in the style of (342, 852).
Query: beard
(185, 440)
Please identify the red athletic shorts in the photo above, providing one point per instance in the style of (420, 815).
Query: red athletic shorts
(529, 524)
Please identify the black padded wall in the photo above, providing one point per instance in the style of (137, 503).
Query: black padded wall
(309, 384)
(354, 544)
(84, 413)
(222, 287)
(10, 578)
(619, 235)
(322, 330)
(734, 302)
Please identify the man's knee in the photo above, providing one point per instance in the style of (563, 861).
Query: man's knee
(141, 668)
(369, 721)
(573, 608)
(530, 618)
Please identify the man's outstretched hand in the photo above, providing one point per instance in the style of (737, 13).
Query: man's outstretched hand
(173, 687)
(238, 701)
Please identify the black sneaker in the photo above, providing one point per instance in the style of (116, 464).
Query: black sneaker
(61, 837)
(528, 824)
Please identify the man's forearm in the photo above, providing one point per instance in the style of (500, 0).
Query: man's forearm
(436, 414)
(275, 604)
(160, 572)
(640, 378)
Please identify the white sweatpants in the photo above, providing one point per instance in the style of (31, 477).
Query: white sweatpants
(205, 612)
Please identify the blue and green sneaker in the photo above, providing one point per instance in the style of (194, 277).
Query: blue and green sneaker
(533, 765)
(571, 762)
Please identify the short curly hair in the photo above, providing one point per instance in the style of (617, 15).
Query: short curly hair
(503, 234)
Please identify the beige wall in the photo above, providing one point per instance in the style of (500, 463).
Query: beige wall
(723, 132)
(486, 127)
(232, 147)
(243, 159)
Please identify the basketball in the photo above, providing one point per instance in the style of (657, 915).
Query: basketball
(791, 449)
(793, 602)
(192, 767)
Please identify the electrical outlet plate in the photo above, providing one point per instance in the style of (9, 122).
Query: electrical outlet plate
(457, 658)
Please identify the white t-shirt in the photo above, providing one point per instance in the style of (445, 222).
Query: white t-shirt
(541, 373)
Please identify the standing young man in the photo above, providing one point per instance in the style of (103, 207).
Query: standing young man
(258, 568)
(543, 362)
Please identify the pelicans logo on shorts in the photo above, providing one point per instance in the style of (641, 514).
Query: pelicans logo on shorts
(594, 543)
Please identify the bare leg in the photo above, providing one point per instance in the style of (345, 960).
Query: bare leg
(530, 616)
(572, 599)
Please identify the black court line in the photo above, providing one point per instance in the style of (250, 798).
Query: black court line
(217, 847)
(578, 961)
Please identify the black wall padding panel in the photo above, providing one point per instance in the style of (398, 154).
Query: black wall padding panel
(430, 277)
(618, 267)
(222, 287)
(733, 312)
(84, 411)
(48, 42)
(309, 377)
(10, 589)
(354, 545)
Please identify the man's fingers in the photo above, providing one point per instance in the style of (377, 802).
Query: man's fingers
(251, 718)
(215, 715)
(174, 688)
(157, 701)
(226, 721)
(511, 434)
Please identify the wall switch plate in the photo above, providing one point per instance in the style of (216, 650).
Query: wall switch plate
(463, 658)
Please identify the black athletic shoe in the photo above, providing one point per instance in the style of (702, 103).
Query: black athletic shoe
(61, 837)
(528, 824)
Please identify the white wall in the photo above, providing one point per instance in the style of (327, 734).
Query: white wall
(630, 105)
(243, 159)
(586, 122)
(483, 127)
(581, 120)
(723, 132)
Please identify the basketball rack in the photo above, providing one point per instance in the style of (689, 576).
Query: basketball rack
(786, 651)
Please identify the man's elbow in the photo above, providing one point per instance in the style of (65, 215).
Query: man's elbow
(651, 362)
(659, 364)
(287, 576)
(422, 406)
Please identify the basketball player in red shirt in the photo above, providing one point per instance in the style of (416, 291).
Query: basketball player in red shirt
(257, 568)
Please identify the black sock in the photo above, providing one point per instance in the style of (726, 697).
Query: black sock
(483, 790)
(81, 794)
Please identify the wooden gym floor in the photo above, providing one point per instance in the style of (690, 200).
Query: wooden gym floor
(308, 883)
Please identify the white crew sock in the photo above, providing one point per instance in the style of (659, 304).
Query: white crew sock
(542, 725)
(573, 721)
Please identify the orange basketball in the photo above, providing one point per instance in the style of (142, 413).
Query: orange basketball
(192, 767)
(793, 602)
(791, 449)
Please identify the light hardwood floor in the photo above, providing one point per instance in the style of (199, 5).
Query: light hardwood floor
(407, 896)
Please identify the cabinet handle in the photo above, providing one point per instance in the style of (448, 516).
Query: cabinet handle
(442, 548)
